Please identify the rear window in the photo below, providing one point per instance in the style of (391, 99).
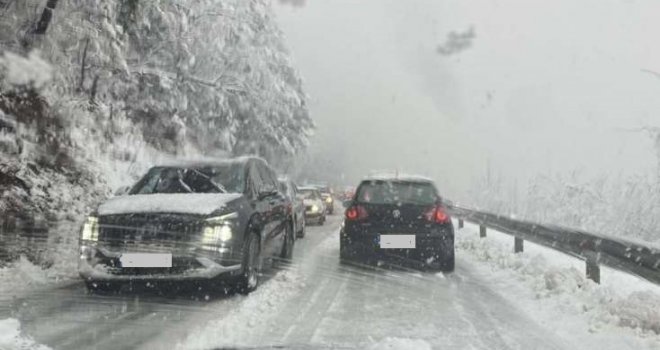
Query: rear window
(397, 192)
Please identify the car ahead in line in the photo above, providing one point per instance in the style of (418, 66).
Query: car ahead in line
(346, 193)
(193, 221)
(328, 197)
(290, 190)
(314, 205)
(398, 219)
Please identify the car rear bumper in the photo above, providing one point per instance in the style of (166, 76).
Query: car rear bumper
(430, 249)
(99, 264)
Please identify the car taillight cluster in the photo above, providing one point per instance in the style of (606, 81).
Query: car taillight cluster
(438, 215)
(356, 212)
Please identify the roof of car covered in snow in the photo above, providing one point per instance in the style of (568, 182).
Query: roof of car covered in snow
(397, 177)
(207, 161)
(308, 188)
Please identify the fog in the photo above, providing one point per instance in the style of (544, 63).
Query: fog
(546, 87)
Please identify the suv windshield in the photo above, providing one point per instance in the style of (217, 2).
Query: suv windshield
(397, 192)
(216, 179)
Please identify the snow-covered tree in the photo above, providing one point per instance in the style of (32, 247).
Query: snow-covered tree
(104, 87)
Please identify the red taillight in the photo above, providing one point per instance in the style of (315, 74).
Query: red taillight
(356, 213)
(438, 215)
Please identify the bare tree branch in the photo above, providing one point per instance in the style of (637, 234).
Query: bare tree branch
(46, 17)
(82, 66)
(92, 94)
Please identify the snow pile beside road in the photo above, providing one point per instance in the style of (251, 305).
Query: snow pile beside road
(20, 275)
(563, 288)
(10, 337)
(236, 329)
(401, 344)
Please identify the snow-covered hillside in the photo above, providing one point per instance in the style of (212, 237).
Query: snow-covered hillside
(99, 90)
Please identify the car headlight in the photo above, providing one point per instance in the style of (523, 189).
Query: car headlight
(315, 208)
(218, 229)
(90, 230)
(217, 233)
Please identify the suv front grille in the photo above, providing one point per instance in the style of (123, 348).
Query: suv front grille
(155, 230)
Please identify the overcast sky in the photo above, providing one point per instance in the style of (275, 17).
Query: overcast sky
(546, 87)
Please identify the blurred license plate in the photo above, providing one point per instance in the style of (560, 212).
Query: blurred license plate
(145, 260)
(397, 241)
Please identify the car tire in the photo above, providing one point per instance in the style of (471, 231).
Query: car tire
(289, 243)
(448, 263)
(102, 287)
(343, 253)
(301, 233)
(322, 220)
(248, 281)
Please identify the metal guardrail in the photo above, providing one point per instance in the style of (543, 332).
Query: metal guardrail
(631, 257)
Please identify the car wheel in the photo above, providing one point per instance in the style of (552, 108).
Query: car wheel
(448, 258)
(102, 287)
(289, 242)
(448, 263)
(343, 252)
(251, 265)
(301, 233)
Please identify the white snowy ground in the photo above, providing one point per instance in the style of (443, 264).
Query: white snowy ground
(494, 300)
(11, 338)
(623, 312)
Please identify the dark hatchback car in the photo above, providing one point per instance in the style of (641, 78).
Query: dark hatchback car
(399, 220)
(208, 221)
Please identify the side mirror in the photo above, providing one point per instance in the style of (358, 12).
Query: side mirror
(347, 204)
(121, 191)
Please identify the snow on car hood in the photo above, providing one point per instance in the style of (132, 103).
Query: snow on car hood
(184, 203)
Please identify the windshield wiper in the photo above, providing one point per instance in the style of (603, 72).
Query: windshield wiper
(217, 186)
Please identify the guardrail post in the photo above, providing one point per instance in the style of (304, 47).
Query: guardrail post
(482, 231)
(518, 245)
(593, 270)
(460, 223)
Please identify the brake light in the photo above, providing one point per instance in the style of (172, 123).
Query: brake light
(438, 215)
(356, 213)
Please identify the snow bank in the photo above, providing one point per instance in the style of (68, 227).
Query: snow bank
(21, 275)
(11, 338)
(563, 287)
(401, 344)
(236, 329)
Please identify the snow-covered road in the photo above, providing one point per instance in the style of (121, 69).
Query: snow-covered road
(312, 302)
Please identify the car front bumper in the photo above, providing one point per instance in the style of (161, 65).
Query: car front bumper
(98, 263)
(314, 214)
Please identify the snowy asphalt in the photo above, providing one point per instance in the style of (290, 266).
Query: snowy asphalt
(312, 302)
